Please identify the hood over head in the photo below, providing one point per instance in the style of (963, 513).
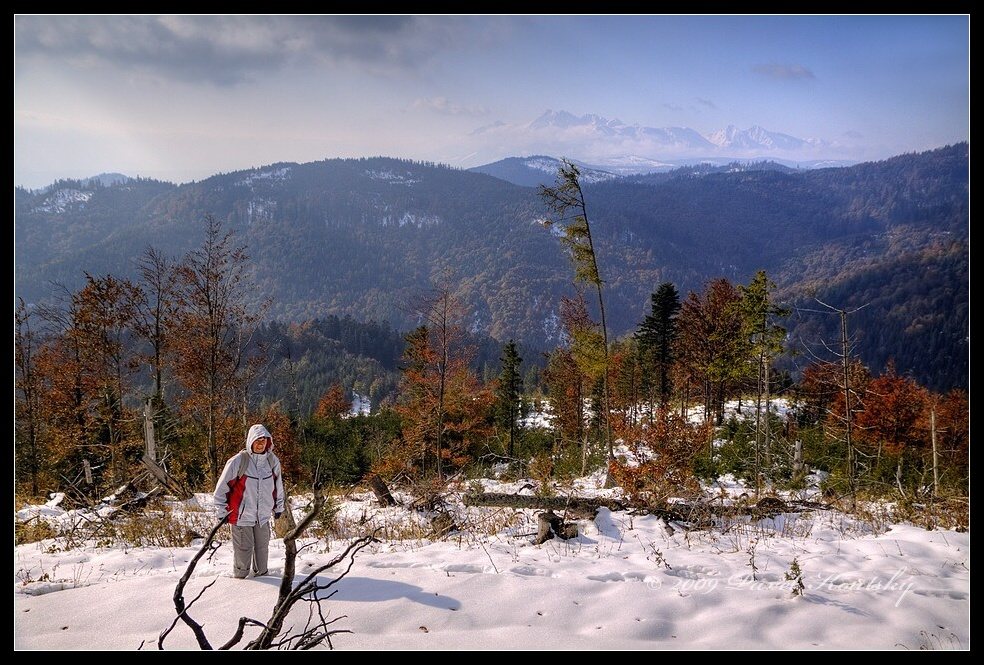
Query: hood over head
(256, 432)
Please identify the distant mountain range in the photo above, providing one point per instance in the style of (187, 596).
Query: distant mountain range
(601, 144)
(101, 180)
(542, 169)
(624, 149)
(675, 139)
(362, 237)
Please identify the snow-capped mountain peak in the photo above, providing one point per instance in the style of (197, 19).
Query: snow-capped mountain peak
(723, 137)
(754, 138)
(564, 120)
(676, 140)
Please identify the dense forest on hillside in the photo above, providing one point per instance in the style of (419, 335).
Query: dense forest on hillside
(302, 359)
(365, 238)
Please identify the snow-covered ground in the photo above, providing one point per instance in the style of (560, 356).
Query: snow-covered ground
(542, 416)
(628, 582)
(779, 406)
(361, 405)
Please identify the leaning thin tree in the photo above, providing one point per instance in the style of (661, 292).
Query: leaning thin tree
(566, 202)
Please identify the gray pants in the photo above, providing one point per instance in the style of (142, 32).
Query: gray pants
(251, 544)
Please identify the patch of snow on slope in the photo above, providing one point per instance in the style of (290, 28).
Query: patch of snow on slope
(392, 178)
(588, 175)
(417, 220)
(271, 175)
(258, 209)
(60, 200)
(361, 406)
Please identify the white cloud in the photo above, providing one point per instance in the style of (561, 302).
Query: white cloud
(444, 106)
(784, 72)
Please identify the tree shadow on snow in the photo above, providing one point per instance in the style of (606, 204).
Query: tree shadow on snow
(370, 590)
(847, 607)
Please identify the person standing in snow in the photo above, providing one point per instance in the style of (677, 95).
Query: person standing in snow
(249, 491)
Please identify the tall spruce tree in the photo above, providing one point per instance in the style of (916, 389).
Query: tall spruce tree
(656, 335)
(765, 339)
(509, 392)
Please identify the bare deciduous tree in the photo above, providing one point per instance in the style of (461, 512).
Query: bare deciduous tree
(214, 325)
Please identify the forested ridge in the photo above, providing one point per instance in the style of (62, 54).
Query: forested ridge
(361, 238)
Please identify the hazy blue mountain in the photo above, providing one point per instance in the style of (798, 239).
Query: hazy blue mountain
(537, 170)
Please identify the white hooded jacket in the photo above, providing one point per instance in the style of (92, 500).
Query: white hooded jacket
(254, 496)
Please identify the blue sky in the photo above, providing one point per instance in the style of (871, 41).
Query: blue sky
(181, 98)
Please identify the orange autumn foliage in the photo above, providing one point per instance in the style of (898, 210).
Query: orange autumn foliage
(661, 460)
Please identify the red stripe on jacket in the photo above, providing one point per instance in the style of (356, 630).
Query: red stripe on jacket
(237, 487)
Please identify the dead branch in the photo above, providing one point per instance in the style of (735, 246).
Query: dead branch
(179, 602)
(315, 632)
(235, 639)
(309, 586)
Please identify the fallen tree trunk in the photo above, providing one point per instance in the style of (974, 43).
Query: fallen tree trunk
(575, 504)
(695, 513)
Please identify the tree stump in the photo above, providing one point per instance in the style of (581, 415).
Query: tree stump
(769, 506)
(442, 524)
(549, 524)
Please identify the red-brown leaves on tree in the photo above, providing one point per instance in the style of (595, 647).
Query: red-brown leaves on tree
(893, 406)
(953, 428)
(465, 418)
(662, 454)
(333, 404)
(566, 390)
(285, 443)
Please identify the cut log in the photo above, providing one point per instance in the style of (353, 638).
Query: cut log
(694, 514)
(381, 491)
